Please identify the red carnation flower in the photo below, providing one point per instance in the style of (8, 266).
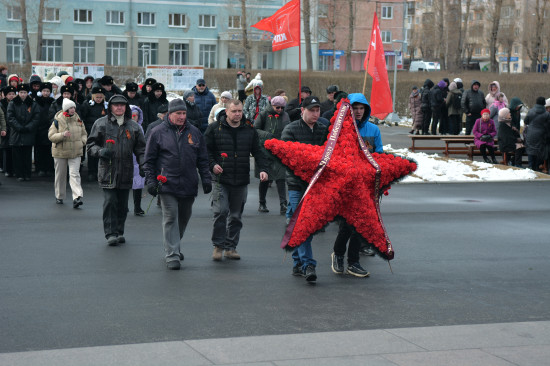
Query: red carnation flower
(223, 155)
(162, 179)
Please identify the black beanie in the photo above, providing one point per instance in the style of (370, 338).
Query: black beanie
(541, 101)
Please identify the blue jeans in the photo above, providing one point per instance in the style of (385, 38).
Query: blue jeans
(303, 255)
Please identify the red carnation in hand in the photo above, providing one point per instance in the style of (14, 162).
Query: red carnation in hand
(110, 141)
(223, 155)
(161, 179)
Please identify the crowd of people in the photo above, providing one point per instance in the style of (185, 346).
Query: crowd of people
(136, 139)
(440, 108)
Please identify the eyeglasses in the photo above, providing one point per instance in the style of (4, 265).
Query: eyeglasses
(201, 85)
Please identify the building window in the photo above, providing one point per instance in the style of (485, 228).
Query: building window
(116, 53)
(477, 51)
(323, 10)
(234, 22)
(52, 50)
(265, 60)
(114, 17)
(387, 12)
(178, 54)
(323, 35)
(14, 13)
(479, 16)
(386, 36)
(84, 51)
(207, 21)
(51, 15)
(82, 16)
(177, 20)
(146, 18)
(207, 55)
(148, 53)
(14, 51)
(516, 49)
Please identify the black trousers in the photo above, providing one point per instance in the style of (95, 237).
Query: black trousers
(22, 161)
(454, 124)
(347, 232)
(436, 117)
(281, 190)
(484, 148)
(242, 96)
(115, 211)
(427, 117)
(43, 160)
(7, 160)
(470, 121)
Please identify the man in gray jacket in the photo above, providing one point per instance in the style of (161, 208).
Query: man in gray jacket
(113, 139)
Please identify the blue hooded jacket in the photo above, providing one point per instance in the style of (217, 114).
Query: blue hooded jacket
(368, 131)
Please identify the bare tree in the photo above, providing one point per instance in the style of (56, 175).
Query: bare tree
(306, 12)
(351, 6)
(533, 33)
(245, 41)
(464, 33)
(453, 34)
(440, 8)
(25, 30)
(330, 22)
(495, 14)
(40, 30)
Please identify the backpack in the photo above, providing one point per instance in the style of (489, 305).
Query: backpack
(457, 101)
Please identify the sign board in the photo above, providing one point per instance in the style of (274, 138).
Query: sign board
(338, 53)
(82, 70)
(175, 78)
(505, 59)
(43, 69)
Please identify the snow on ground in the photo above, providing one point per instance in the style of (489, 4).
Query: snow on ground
(434, 168)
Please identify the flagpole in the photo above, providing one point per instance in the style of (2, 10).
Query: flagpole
(365, 80)
(300, 54)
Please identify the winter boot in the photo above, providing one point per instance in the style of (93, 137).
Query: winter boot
(137, 203)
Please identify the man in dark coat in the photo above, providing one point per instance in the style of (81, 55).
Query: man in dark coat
(194, 114)
(307, 130)
(437, 101)
(9, 92)
(473, 102)
(130, 93)
(329, 104)
(116, 165)
(426, 106)
(91, 111)
(23, 119)
(176, 149)
(43, 160)
(230, 141)
(537, 124)
(294, 107)
(150, 106)
(108, 84)
(205, 100)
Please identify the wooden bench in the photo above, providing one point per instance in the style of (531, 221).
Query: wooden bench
(474, 151)
(415, 138)
(451, 140)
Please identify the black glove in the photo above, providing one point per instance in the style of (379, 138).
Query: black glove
(141, 172)
(106, 153)
(486, 138)
(153, 189)
(207, 188)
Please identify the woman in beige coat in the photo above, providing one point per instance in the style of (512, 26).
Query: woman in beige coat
(68, 136)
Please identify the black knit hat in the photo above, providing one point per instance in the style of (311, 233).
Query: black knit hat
(541, 101)
(35, 79)
(158, 86)
(131, 87)
(46, 85)
(24, 87)
(163, 108)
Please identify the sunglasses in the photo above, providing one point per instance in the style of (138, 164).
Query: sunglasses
(201, 85)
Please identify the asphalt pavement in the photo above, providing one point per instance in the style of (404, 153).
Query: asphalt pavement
(469, 285)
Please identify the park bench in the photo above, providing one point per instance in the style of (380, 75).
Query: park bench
(460, 140)
(415, 138)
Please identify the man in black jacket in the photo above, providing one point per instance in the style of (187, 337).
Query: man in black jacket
(306, 130)
(294, 107)
(437, 101)
(230, 141)
(43, 160)
(113, 139)
(473, 102)
(91, 111)
(425, 107)
(176, 150)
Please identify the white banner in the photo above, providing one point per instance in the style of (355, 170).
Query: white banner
(83, 70)
(45, 69)
(176, 78)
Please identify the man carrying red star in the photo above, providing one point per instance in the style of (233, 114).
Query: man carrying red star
(307, 131)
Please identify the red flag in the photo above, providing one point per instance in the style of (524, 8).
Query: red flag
(380, 96)
(285, 26)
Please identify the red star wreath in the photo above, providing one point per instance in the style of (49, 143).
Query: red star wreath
(350, 185)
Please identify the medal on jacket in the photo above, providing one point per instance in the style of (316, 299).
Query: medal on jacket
(190, 139)
(103, 112)
(128, 134)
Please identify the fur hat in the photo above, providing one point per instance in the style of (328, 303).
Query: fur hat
(68, 104)
(332, 89)
(163, 108)
(106, 80)
(9, 89)
(158, 86)
(46, 85)
(131, 87)
(24, 87)
(98, 90)
(176, 105)
(35, 79)
(505, 115)
(66, 88)
(226, 94)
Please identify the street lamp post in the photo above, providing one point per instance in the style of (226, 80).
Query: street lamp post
(145, 52)
(22, 43)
